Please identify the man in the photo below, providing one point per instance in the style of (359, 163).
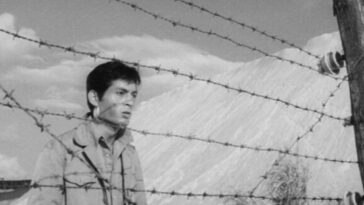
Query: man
(95, 163)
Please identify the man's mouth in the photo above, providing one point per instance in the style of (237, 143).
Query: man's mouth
(126, 113)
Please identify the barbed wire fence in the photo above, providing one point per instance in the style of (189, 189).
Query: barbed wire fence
(175, 72)
(220, 36)
(299, 138)
(227, 144)
(244, 25)
(45, 128)
(14, 104)
(42, 126)
(283, 153)
(188, 195)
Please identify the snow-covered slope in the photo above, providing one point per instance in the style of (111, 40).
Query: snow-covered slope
(207, 111)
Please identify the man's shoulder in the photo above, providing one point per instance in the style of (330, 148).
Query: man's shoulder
(67, 137)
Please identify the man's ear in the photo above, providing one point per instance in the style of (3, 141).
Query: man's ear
(93, 98)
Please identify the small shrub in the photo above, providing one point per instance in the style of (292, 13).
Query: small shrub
(286, 181)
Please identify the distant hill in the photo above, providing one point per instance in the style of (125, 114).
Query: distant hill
(210, 112)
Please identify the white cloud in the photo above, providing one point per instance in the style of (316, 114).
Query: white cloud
(59, 84)
(10, 168)
(13, 49)
(56, 97)
(66, 72)
(70, 74)
(57, 103)
(166, 53)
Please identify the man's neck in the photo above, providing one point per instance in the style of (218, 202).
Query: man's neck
(110, 132)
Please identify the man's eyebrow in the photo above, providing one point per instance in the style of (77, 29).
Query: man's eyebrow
(122, 89)
(126, 90)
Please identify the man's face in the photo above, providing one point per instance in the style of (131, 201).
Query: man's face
(117, 102)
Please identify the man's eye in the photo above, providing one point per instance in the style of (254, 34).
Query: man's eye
(120, 93)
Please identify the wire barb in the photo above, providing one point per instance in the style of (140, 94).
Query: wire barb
(222, 37)
(154, 191)
(43, 127)
(190, 137)
(175, 72)
(308, 131)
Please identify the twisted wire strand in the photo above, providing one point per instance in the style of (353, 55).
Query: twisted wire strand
(172, 71)
(44, 127)
(247, 26)
(308, 131)
(190, 137)
(243, 146)
(154, 191)
(222, 37)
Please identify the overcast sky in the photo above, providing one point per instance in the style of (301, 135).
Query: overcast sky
(54, 80)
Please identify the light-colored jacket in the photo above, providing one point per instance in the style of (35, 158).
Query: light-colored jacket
(118, 170)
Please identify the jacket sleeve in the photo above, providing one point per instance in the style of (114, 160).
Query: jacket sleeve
(49, 172)
(141, 198)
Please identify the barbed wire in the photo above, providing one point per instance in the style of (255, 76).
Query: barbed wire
(222, 37)
(308, 131)
(324, 104)
(44, 113)
(173, 193)
(172, 71)
(44, 127)
(243, 146)
(190, 137)
(212, 195)
(250, 27)
(176, 193)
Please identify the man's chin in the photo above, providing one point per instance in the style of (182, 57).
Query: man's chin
(123, 123)
(118, 123)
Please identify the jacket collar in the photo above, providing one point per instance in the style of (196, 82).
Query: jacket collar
(88, 136)
(93, 130)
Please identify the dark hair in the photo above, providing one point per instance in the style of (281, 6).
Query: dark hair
(103, 75)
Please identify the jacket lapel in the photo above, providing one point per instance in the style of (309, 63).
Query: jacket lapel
(122, 142)
(85, 140)
(93, 156)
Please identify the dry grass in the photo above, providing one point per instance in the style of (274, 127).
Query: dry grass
(288, 180)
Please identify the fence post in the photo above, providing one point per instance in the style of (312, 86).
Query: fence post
(350, 18)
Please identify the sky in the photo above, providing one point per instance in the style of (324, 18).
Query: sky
(51, 79)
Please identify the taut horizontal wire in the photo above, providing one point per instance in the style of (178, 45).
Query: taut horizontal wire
(245, 25)
(309, 130)
(44, 128)
(180, 194)
(71, 116)
(172, 71)
(243, 146)
(222, 37)
(191, 137)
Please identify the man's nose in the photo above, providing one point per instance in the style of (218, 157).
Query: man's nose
(129, 101)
